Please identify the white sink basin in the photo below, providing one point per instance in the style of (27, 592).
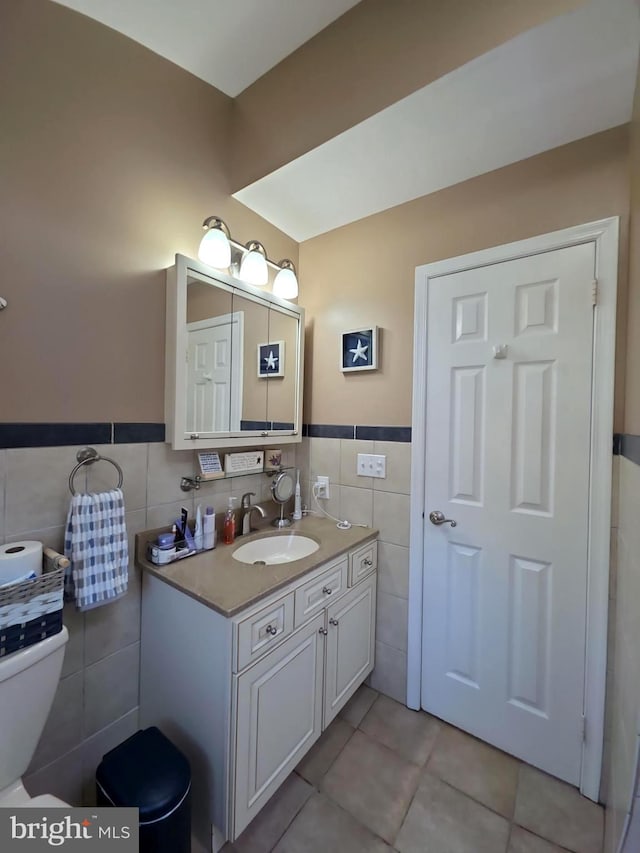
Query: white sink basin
(275, 549)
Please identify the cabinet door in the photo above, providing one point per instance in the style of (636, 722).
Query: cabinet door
(279, 716)
(350, 645)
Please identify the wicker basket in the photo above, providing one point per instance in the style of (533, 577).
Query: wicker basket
(31, 611)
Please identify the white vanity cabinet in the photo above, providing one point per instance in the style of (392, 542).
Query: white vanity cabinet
(246, 697)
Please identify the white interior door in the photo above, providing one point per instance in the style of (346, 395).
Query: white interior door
(509, 373)
(214, 368)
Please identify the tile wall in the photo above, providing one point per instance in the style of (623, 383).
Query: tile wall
(96, 705)
(383, 504)
(623, 682)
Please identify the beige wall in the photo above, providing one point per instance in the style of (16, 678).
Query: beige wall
(363, 274)
(110, 160)
(632, 388)
(375, 54)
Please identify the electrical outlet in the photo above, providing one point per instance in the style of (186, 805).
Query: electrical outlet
(322, 487)
(371, 465)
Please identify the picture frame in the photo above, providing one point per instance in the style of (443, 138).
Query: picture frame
(359, 350)
(270, 359)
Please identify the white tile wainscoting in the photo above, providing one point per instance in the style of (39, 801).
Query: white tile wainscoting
(96, 705)
(381, 503)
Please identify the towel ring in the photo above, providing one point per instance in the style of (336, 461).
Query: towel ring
(87, 456)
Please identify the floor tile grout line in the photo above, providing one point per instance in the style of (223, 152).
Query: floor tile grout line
(295, 815)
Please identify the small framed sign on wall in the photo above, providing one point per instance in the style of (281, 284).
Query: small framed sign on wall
(359, 350)
(271, 359)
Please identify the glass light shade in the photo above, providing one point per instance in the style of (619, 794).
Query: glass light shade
(215, 249)
(285, 284)
(253, 268)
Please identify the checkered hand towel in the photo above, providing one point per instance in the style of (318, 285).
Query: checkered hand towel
(96, 544)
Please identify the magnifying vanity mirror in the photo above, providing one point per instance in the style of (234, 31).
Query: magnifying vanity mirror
(233, 361)
(281, 492)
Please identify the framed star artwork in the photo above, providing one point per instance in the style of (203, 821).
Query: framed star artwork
(359, 350)
(271, 359)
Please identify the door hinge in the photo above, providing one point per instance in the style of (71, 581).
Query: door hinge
(594, 292)
(583, 728)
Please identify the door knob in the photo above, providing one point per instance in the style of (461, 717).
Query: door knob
(436, 517)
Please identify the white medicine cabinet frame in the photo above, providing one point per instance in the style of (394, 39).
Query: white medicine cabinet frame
(217, 327)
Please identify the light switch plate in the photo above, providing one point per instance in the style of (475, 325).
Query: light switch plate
(371, 465)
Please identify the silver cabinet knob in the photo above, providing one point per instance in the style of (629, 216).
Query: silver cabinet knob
(367, 562)
(271, 630)
(436, 517)
(327, 590)
(323, 631)
(333, 622)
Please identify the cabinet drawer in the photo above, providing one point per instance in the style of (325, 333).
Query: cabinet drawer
(312, 596)
(264, 630)
(362, 562)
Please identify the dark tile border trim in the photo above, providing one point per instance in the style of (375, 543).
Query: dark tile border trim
(617, 440)
(348, 431)
(125, 433)
(630, 447)
(329, 431)
(383, 433)
(61, 435)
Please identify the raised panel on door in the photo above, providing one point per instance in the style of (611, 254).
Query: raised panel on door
(507, 457)
(279, 716)
(350, 645)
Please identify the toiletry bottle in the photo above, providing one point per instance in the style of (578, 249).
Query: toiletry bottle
(197, 533)
(209, 529)
(229, 526)
(297, 502)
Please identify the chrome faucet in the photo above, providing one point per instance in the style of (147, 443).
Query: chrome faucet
(247, 510)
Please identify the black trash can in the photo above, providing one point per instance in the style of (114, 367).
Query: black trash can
(149, 772)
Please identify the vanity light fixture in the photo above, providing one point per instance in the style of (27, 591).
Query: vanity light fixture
(285, 284)
(215, 248)
(253, 266)
(250, 262)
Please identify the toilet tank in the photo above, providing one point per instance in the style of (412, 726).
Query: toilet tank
(28, 682)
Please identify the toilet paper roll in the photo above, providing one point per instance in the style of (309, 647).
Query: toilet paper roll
(20, 559)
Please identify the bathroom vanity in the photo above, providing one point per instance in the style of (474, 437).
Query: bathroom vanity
(244, 665)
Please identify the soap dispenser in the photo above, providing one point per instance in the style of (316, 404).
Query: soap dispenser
(229, 526)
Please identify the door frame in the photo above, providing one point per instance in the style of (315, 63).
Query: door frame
(604, 233)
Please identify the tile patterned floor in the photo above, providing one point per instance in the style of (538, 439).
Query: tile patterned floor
(384, 778)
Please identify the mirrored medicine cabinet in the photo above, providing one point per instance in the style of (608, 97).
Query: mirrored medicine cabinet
(234, 361)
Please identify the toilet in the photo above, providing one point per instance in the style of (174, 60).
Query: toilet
(28, 682)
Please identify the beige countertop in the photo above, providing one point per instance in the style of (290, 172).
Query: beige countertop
(229, 586)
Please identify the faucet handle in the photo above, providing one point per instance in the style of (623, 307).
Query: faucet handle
(246, 499)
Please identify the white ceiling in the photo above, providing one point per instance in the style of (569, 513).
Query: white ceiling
(228, 43)
(559, 82)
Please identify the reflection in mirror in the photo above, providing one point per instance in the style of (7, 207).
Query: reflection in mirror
(282, 386)
(214, 359)
(249, 396)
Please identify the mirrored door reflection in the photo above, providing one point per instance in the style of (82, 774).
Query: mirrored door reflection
(212, 345)
(282, 381)
(249, 393)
